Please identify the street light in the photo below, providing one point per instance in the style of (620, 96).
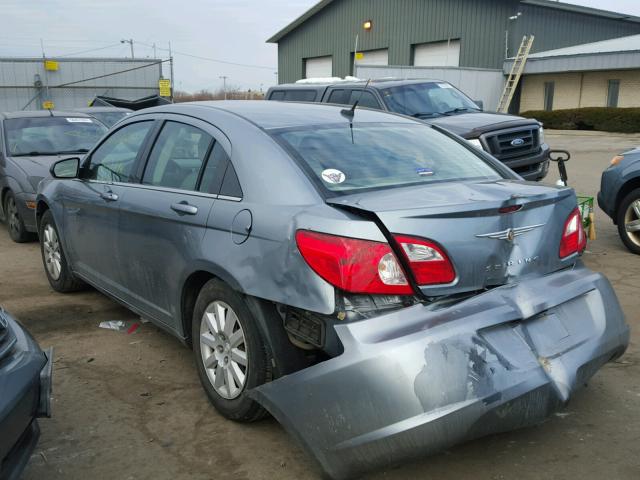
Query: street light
(130, 42)
(506, 33)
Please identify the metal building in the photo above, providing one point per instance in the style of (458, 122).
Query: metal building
(433, 33)
(62, 83)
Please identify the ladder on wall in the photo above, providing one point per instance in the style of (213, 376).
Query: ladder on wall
(514, 76)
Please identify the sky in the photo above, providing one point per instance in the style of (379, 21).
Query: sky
(232, 31)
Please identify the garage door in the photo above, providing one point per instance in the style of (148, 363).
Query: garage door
(437, 54)
(318, 67)
(373, 57)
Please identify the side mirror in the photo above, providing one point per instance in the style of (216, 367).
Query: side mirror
(479, 103)
(67, 168)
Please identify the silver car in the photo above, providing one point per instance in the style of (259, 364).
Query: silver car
(379, 286)
(30, 142)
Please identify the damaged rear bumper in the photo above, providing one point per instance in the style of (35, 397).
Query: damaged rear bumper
(417, 381)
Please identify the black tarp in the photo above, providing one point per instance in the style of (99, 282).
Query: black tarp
(139, 104)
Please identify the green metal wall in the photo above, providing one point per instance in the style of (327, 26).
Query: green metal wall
(398, 24)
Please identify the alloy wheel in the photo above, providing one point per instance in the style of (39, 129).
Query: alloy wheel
(223, 349)
(13, 217)
(632, 222)
(52, 253)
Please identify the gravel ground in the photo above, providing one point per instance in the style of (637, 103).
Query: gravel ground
(129, 406)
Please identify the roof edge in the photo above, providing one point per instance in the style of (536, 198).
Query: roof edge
(300, 20)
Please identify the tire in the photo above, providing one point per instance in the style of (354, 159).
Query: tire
(628, 217)
(15, 224)
(54, 261)
(219, 356)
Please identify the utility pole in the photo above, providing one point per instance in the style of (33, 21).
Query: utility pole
(224, 85)
(170, 70)
(46, 74)
(130, 42)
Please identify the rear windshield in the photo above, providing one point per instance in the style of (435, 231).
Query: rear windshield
(51, 135)
(372, 156)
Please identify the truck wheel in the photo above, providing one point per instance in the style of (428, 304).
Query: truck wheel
(230, 352)
(15, 225)
(629, 221)
(55, 263)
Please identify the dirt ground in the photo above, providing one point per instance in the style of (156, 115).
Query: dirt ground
(129, 406)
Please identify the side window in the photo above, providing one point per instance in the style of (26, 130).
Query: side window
(114, 160)
(367, 99)
(299, 95)
(338, 96)
(277, 95)
(177, 157)
(214, 170)
(231, 185)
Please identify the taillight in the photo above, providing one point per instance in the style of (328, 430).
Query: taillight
(428, 261)
(574, 239)
(354, 265)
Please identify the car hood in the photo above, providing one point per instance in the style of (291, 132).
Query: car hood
(37, 167)
(472, 125)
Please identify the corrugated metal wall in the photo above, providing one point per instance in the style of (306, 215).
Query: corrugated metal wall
(398, 24)
(18, 76)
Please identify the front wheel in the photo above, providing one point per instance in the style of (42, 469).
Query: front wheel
(629, 221)
(60, 276)
(230, 352)
(15, 224)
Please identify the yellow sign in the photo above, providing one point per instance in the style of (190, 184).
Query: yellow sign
(51, 65)
(47, 105)
(359, 55)
(164, 85)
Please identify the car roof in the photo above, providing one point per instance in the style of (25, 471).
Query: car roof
(89, 110)
(42, 113)
(374, 83)
(273, 114)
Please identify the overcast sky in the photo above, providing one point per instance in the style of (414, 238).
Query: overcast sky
(228, 30)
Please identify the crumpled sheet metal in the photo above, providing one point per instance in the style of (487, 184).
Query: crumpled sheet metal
(415, 381)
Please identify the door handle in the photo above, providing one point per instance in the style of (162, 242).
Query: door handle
(185, 208)
(109, 196)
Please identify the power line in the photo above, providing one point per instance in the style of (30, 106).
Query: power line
(87, 51)
(209, 59)
(110, 74)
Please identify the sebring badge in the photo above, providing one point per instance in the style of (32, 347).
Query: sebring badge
(510, 233)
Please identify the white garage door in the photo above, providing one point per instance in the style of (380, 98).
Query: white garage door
(374, 57)
(318, 67)
(437, 54)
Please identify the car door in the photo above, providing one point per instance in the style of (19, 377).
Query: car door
(163, 219)
(92, 203)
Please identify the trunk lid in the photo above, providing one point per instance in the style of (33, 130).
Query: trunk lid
(487, 247)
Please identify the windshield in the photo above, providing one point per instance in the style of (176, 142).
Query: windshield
(381, 155)
(51, 135)
(108, 118)
(427, 99)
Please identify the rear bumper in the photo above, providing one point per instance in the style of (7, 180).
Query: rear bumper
(417, 381)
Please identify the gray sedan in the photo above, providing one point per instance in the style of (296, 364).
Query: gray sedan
(379, 286)
(29, 143)
(619, 197)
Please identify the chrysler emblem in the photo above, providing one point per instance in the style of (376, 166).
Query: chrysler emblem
(510, 233)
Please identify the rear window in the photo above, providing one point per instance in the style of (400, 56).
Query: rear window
(373, 156)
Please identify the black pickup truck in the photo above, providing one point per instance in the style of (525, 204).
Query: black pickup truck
(517, 142)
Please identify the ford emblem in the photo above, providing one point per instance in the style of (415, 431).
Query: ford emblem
(516, 142)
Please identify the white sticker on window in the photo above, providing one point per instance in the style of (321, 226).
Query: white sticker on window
(79, 120)
(331, 175)
(444, 85)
